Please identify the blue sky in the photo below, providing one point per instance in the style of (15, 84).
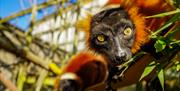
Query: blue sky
(8, 7)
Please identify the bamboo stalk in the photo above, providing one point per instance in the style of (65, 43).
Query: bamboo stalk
(41, 79)
(27, 11)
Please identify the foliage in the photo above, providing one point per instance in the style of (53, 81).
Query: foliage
(162, 45)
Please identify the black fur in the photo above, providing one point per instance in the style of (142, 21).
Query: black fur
(111, 23)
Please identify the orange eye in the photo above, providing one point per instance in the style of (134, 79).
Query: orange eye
(101, 38)
(127, 31)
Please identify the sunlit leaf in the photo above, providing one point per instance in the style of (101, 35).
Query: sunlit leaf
(160, 45)
(147, 70)
(161, 78)
(29, 38)
(21, 78)
(31, 80)
(55, 68)
(177, 65)
(49, 81)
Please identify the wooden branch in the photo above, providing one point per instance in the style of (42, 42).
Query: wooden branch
(20, 33)
(7, 42)
(64, 10)
(41, 79)
(36, 59)
(7, 82)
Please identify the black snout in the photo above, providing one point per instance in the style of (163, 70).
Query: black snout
(121, 56)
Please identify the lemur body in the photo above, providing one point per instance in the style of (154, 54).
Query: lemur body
(116, 34)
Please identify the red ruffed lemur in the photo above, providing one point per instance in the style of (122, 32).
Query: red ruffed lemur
(113, 35)
(83, 71)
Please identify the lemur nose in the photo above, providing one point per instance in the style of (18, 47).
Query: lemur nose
(121, 56)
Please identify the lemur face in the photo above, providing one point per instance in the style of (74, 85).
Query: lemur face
(112, 34)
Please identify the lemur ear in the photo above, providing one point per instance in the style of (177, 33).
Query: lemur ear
(84, 25)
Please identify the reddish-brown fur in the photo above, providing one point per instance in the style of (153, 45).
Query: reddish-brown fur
(90, 67)
(82, 58)
(137, 10)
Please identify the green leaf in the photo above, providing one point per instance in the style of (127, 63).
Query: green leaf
(175, 42)
(177, 66)
(49, 81)
(21, 78)
(160, 45)
(148, 70)
(166, 25)
(177, 3)
(29, 38)
(161, 78)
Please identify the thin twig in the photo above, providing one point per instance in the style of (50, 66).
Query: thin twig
(131, 60)
(175, 42)
(164, 14)
(160, 30)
